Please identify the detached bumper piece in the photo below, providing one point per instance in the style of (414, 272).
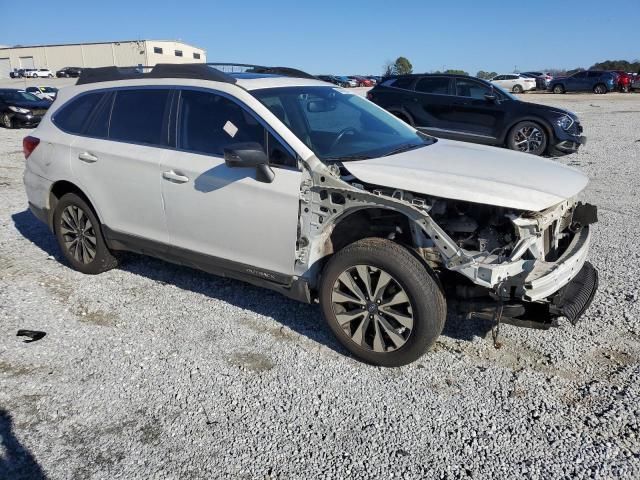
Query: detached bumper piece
(574, 298)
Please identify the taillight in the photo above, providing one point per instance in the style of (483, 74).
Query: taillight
(29, 144)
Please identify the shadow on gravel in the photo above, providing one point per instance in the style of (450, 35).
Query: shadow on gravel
(299, 317)
(16, 461)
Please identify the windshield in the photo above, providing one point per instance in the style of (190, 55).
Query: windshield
(49, 89)
(18, 97)
(337, 125)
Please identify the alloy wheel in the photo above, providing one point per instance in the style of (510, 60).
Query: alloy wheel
(372, 308)
(528, 139)
(7, 122)
(78, 234)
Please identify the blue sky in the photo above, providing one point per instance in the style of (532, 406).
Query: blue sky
(351, 36)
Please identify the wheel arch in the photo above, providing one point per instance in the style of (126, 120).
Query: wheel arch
(62, 187)
(528, 118)
(401, 111)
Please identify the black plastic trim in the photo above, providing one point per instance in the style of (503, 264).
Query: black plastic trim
(201, 71)
(290, 286)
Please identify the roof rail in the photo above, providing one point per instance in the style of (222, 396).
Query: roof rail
(249, 68)
(217, 72)
(201, 71)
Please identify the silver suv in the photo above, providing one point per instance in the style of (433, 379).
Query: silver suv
(276, 178)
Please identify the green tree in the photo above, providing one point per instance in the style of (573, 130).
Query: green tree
(486, 75)
(455, 72)
(402, 66)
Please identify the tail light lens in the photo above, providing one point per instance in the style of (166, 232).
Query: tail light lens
(29, 144)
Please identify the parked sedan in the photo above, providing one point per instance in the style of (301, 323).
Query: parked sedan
(43, 93)
(596, 81)
(623, 82)
(514, 82)
(361, 81)
(348, 82)
(542, 79)
(39, 73)
(335, 80)
(19, 108)
(473, 110)
(69, 72)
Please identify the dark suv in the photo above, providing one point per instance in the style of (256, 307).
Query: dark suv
(472, 110)
(596, 81)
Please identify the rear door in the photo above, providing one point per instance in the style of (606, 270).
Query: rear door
(472, 116)
(117, 159)
(578, 82)
(225, 213)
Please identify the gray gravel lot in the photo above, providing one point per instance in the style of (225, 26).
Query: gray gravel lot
(159, 371)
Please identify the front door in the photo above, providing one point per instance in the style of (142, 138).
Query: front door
(221, 212)
(472, 115)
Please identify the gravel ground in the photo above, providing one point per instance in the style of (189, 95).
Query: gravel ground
(158, 371)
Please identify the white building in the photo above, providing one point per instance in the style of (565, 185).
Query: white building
(104, 54)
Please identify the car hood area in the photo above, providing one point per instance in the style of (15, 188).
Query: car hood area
(474, 173)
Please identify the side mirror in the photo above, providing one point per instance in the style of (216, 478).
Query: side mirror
(249, 155)
(491, 97)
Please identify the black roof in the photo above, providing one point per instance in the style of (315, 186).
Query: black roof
(201, 71)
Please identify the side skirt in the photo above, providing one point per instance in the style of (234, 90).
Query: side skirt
(290, 286)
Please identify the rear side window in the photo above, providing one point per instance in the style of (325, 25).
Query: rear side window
(438, 85)
(402, 82)
(73, 116)
(139, 116)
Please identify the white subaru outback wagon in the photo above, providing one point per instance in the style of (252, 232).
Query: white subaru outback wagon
(276, 178)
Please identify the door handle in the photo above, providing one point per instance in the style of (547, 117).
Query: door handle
(174, 177)
(87, 157)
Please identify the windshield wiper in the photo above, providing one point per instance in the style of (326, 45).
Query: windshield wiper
(346, 158)
(404, 148)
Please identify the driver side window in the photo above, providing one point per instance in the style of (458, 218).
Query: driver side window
(470, 88)
(208, 123)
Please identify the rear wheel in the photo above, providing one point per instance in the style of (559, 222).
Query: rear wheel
(80, 237)
(7, 121)
(382, 304)
(558, 89)
(518, 89)
(528, 137)
(600, 89)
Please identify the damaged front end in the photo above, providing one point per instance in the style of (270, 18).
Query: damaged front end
(529, 268)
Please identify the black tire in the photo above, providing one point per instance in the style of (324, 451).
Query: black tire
(7, 121)
(426, 302)
(600, 89)
(538, 141)
(517, 89)
(103, 259)
(558, 89)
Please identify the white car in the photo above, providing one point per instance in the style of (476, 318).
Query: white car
(44, 93)
(299, 186)
(513, 82)
(39, 73)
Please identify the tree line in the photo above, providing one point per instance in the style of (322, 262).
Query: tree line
(402, 66)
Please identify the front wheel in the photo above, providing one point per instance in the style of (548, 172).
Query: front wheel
(600, 89)
(7, 121)
(381, 302)
(528, 137)
(80, 237)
